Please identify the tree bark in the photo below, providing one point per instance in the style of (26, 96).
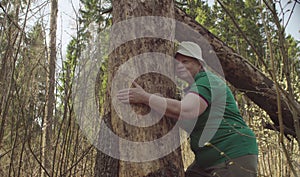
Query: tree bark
(170, 165)
(243, 75)
(50, 97)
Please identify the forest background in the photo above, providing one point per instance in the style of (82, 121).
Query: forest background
(39, 132)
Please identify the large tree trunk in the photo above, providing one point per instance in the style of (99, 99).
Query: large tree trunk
(171, 164)
(243, 75)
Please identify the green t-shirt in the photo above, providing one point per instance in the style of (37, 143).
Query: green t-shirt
(220, 132)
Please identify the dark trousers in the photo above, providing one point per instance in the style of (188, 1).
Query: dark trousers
(245, 166)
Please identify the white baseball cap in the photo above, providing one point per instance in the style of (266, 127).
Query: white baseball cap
(190, 49)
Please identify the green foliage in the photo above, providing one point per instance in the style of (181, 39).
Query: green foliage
(31, 67)
(247, 16)
(203, 13)
(294, 60)
(68, 73)
(95, 11)
(93, 14)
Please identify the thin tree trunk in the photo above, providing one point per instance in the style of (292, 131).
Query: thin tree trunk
(47, 122)
(7, 65)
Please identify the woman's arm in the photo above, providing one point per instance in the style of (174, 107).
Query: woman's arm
(189, 107)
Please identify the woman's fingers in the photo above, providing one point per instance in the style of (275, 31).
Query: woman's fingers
(123, 95)
(124, 91)
(123, 99)
(126, 95)
(131, 95)
(136, 85)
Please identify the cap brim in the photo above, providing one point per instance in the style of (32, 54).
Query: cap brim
(188, 54)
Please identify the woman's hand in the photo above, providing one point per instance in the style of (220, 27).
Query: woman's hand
(134, 95)
(190, 107)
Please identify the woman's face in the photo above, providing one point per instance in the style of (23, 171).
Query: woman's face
(187, 67)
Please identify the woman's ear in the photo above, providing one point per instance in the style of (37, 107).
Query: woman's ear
(200, 67)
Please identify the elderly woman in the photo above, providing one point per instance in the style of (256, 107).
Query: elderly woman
(231, 149)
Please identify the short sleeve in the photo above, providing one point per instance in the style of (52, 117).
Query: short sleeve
(202, 90)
